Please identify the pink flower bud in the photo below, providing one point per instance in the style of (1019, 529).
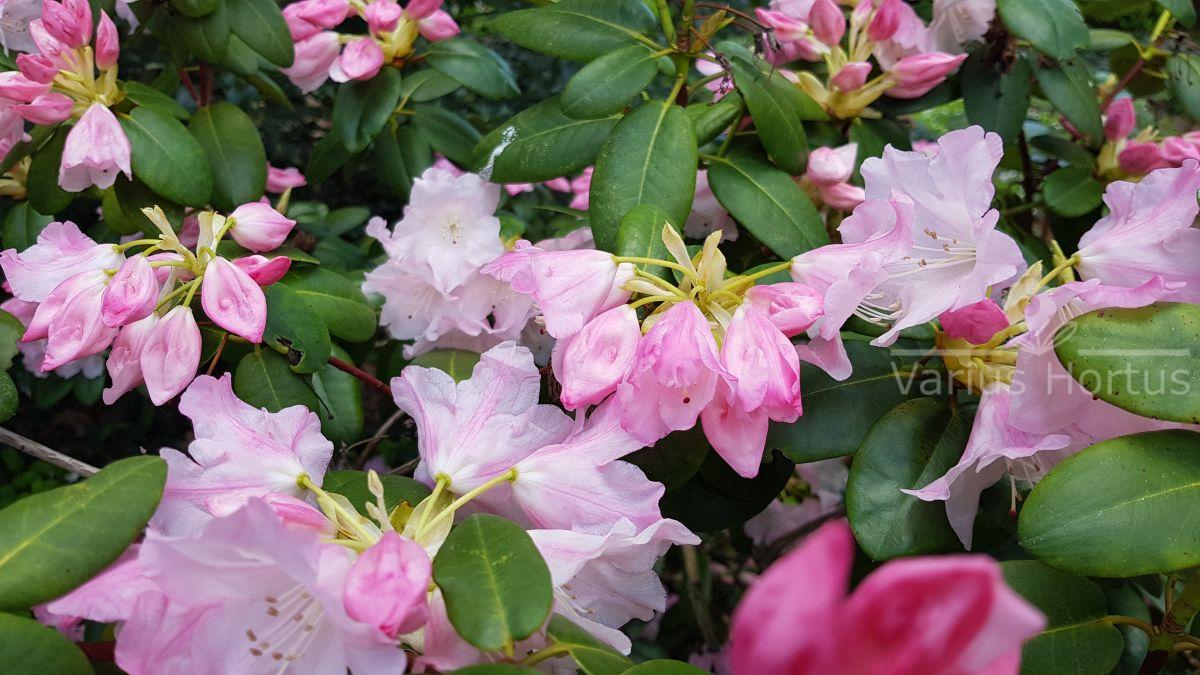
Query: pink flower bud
(1175, 150)
(76, 330)
(842, 196)
(68, 21)
(259, 227)
(765, 365)
(279, 180)
(37, 67)
(787, 28)
(852, 76)
(383, 16)
(827, 166)
(125, 359)
(915, 75)
(264, 271)
(360, 60)
(47, 45)
(62, 293)
(171, 355)
(15, 86)
(232, 300)
(976, 323)
(419, 9)
(309, 17)
(108, 45)
(885, 22)
(388, 586)
(315, 55)
(792, 307)
(1140, 157)
(594, 362)
(438, 26)
(1119, 120)
(96, 150)
(827, 21)
(131, 294)
(47, 109)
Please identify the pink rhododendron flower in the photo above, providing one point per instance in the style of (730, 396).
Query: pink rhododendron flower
(108, 46)
(171, 355)
(1140, 157)
(827, 166)
(957, 23)
(972, 620)
(96, 150)
(388, 585)
(581, 186)
(75, 329)
(15, 19)
(34, 67)
(1119, 119)
(796, 40)
(604, 578)
(792, 307)
(124, 361)
(68, 21)
(315, 55)
(976, 323)
(47, 109)
(240, 452)
(131, 294)
(1176, 151)
(383, 15)
(438, 26)
(827, 22)
(851, 76)
(280, 180)
(233, 300)
(826, 481)
(61, 251)
(259, 227)
(915, 75)
(264, 271)
(591, 363)
(361, 59)
(309, 17)
(419, 9)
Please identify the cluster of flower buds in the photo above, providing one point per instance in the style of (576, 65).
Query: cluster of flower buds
(60, 82)
(827, 177)
(707, 346)
(911, 57)
(1123, 157)
(88, 296)
(322, 53)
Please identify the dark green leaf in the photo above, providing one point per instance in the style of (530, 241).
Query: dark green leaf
(580, 30)
(327, 156)
(22, 225)
(130, 197)
(9, 397)
(235, 153)
(675, 459)
(496, 585)
(41, 183)
(1105, 39)
(710, 119)
(168, 159)
(388, 158)
(426, 85)
(591, 655)
(768, 203)
(208, 36)
(650, 158)
(1054, 27)
(1083, 516)
(336, 301)
(1069, 88)
(479, 69)
(54, 541)
(363, 107)
(260, 24)
(341, 395)
(149, 97)
(664, 667)
(396, 489)
(457, 363)
(778, 108)
(1183, 71)
(27, 646)
(606, 85)
(716, 498)
(541, 143)
(446, 132)
(195, 8)
(290, 325)
(996, 100)
(640, 235)
(1072, 191)
(1064, 150)
(11, 330)
(240, 58)
(264, 380)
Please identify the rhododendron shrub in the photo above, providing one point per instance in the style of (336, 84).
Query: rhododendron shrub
(635, 337)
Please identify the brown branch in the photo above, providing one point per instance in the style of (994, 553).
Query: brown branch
(35, 449)
(1123, 82)
(361, 374)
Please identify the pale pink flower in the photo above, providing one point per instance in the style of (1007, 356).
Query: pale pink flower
(909, 36)
(581, 186)
(957, 23)
(361, 59)
(96, 150)
(47, 109)
(131, 294)
(419, 9)
(75, 329)
(792, 307)
(795, 39)
(591, 363)
(826, 482)
(15, 18)
(388, 586)
(36, 67)
(240, 452)
(108, 46)
(885, 22)
(827, 22)
(16, 87)
(315, 55)
(383, 16)
(972, 622)
(603, 578)
(259, 227)
(263, 271)
(1177, 150)
(171, 355)
(61, 251)
(125, 360)
(915, 75)
(828, 166)
(438, 26)
(309, 17)
(233, 300)
(1119, 119)
(976, 323)
(279, 180)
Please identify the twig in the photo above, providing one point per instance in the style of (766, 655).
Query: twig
(361, 374)
(379, 436)
(35, 449)
(691, 571)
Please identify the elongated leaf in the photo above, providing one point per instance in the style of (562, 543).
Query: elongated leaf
(353, 486)
(341, 395)
(327, 156)
(580, 30)
(240, 58)
(640, 236)
(264, 380)
(195, 8)
(710, 119)
(479, 69)
(426, 85)
(591, 655)
(541, 143)
(496, 585)
(1184, 72)
(1054, 27)
(27, 646)
(167, 158)
(910, 446)
(604, 86)
(145, 95)
(260, 24)
(779, 108)
(716, 498)
(235, 153)
(996, 101)
(650, 158)
(457, 363)
(768, 203)
(1184, 10)
(388, 158)
(11, 330)
(10, 398)
(130, 197)
(1083, 516)
(446, 132)
(41, 183)
(1072, 191)
(1144, 360)
(290, 325)
(1069, 88)
(22, 225)
(336, 301)
(54, 541)
(207, 36)
(363, 107)
(1076, 639)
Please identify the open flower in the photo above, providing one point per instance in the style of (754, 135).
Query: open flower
(61, 251)
(96, 150)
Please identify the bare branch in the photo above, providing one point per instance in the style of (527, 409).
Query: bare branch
(35, 449)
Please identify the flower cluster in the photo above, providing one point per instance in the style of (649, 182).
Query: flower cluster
(80, 297)
(322, 53)
(827, 177)
(1123, 157)
(58, 81)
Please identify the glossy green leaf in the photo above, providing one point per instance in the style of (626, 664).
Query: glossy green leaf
(580, 30)
(446, 132)
(149, 97)
(41, 183)
(768, 203)
(53, 541)
(910, 446)
(264, 380)
(1143, 360)
(640, 235)
(838, 414)
(327, 156)
(22, 225)
(362, 107)
(541, 143)
(996, 99)
(130, 197)
(1054, 27)
(664, 667)
(650, 158)
(591, 655)
(207, 36)
(457, 363)
(388, 158)
(1069, 87)
(235, 154)
(1084, 514)
(478, 68)
(341, 396)
(716, 498)
(260, 24)
(396, 489)
(240, 58)
(1105, 39)
(11, 330)
(710, 119)
(1183, 72)
(606, 85)
(778, 108)
(195, 8)
(290, 325)
(675, 459)
(27, 646)
(1072, 191)
(10, 398)
(426, 85)
(336, 301)
(496, 585)
(168, 159)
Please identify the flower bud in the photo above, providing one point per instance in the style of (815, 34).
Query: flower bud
(259, 227)
(383, 16)
(68, 21)
(62, 293)
(47, 109)
(37, 67)
(915, 75)
(438, 26)
(419, 9)
(388, 586)
(827, 21)
(171, 355)
(827, 166)
(852, 76)
(131, 294)
(262, 270)
(976, 323)
(787, 28)
(108, 45)
(791, 306)
(232, 300)
(76, 329)
(17, 87)
(315, 55)
(886, 21)
(1120, 119)
(359, 60)
(280, 180)
(309, 17)
(1140, 157)
(124, 360)
(842, 196)
(594, 362)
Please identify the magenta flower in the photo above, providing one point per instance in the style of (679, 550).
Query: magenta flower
(171, 355)
(388, 586)
(1140, 157)
(61, 252)
(798, 618)
(976, 323)
(827, 22)
(96, 150)
(263, 271)
(593, 362)
(233, 300)
(259, 227)
(108, 45)
(131, 294)
(851, 77)
(885, 22)
(1119, 119)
